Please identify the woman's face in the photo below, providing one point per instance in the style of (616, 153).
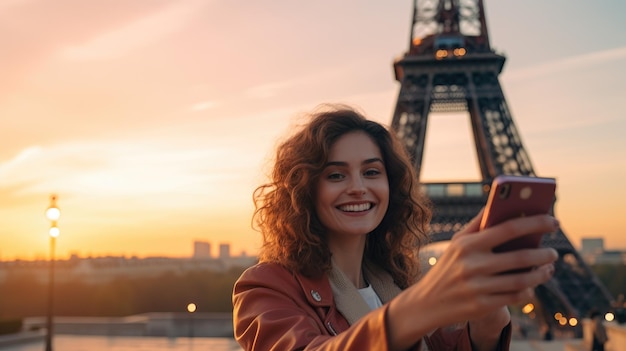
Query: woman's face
(352, 192)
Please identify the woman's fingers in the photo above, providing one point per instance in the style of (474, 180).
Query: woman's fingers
(511, 283)
(472, 254)
(507, 289)
(511, 229)
(495, 263)
(490, 302)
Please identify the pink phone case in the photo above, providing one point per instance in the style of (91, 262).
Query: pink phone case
(518, 196)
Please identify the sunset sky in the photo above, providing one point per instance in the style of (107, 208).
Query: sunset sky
(154, 120)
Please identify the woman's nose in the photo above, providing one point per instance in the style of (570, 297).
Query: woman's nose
(357, 186)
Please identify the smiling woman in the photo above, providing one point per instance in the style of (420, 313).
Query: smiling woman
(342, 219)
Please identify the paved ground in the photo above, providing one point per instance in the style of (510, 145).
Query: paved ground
(24, 337)
(538, 345)
(533, 345)
(6, 341)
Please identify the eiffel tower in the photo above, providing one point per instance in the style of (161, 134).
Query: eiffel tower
(451, 67)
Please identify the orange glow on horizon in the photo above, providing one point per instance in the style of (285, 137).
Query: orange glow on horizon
(155, 122)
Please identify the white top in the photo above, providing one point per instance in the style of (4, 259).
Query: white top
(369, 295)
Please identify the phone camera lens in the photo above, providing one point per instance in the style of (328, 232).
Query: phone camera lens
(504, 191)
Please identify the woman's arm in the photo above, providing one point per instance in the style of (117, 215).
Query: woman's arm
(466, 284)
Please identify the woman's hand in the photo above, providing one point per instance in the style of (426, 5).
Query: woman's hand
(466, 284)
(485, 332)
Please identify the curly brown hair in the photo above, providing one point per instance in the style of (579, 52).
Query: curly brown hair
(285, 206)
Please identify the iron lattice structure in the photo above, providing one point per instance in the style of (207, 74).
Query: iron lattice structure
(451, 67)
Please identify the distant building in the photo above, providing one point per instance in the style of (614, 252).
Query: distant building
(593, 253)
(224, 251)
(105, 269)
(592, 246)
(201, 249)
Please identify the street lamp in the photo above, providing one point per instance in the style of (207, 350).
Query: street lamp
(52, 213)
(191, 308)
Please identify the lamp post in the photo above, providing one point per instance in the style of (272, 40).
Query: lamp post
(52, 213)
(191, 308)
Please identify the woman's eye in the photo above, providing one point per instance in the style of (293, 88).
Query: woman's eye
(335, 175)
(372, 172)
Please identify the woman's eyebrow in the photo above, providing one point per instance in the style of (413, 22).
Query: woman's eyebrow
(345, 164)
(373, 160)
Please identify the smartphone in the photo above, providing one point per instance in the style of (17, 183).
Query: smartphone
(518, 196)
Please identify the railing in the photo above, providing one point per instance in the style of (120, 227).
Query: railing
(466, 189)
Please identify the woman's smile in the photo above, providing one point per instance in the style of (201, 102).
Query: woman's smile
(360, 207)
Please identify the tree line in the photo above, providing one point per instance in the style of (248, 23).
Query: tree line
(24, 296)
(613, 277)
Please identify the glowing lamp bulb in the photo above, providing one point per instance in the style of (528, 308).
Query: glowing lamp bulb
(53, 213)
(54, 232)
(191, 307)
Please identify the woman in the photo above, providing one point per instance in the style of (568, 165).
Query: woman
(342, 219)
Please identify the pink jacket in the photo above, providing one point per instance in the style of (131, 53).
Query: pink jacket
(275, 309)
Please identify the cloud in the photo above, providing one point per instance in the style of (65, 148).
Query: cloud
(334, 77)
(148, 170)
(203, 105)
(143, 32)
(270, 90)
(594, 59)
(22, 156)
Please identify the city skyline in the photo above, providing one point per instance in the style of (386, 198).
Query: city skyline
(198, 249)
(154, 122)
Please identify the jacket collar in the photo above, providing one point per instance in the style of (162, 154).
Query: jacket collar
(337, 289)
(347, 297)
